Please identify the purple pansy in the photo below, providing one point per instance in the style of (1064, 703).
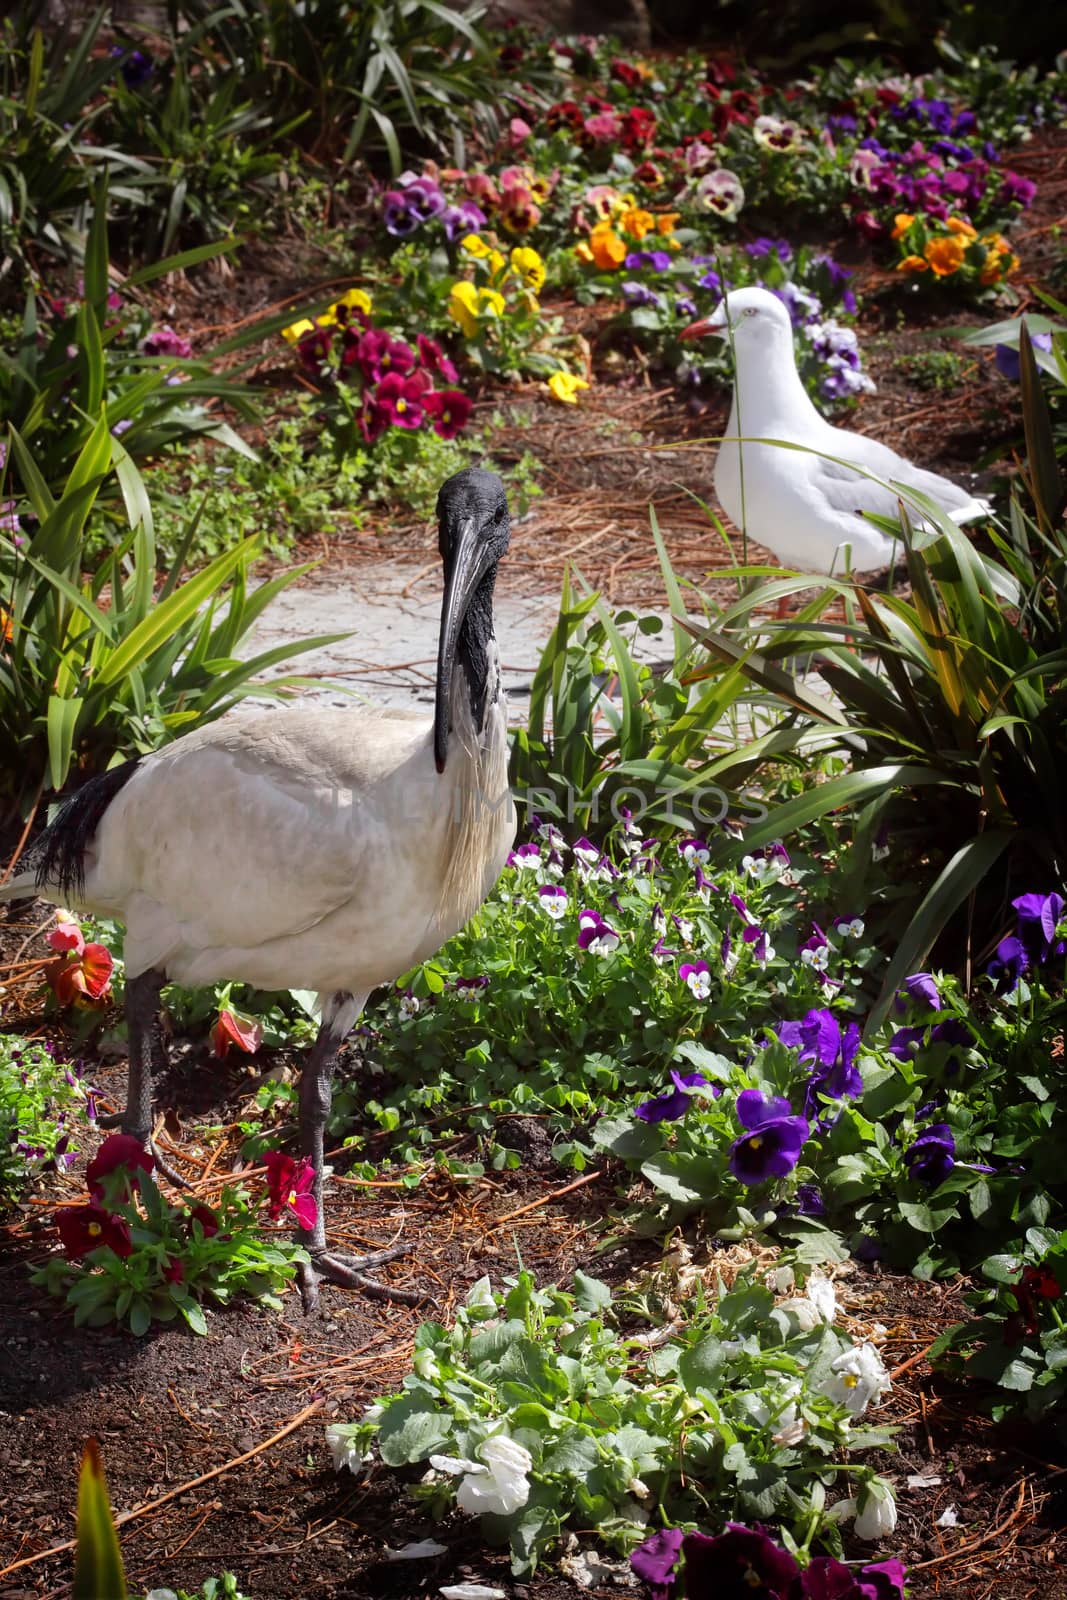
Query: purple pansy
(527, 858)
(553, 900)
(654, 1561)
(463, 218)
(472, 988)
(696, 975)
(1007, 355)
(831, 1053)
(595, 935)
(922, 990)
(1008, 965)
(932, 1157)
(771, 1146)
(675, 1103)
(1038, 916)
(740, 1564)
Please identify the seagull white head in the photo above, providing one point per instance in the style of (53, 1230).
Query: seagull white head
(751, 319)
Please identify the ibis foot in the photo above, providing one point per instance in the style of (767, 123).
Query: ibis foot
(349, 1272)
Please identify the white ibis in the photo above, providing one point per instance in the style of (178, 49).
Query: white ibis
(305, 848)
(803, 507)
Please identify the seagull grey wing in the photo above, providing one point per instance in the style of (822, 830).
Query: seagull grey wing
(849, 493)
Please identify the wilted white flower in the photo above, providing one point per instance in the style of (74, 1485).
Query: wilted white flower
(480, 1294)
(638, 1488)
(343, 1448)
(877, 1516)
(858, 1379)
(425, 1363)
(820, 1291)
(949, 1518)
(470, 1591)
(505, 1487)
(454, 1465)
(422, 1551)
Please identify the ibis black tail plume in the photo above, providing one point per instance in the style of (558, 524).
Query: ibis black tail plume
(58, 855)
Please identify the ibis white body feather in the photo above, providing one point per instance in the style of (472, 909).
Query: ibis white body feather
(303, 849)
(805, 504)
(330, 850)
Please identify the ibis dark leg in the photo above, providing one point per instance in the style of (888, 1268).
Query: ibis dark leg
(147, 1059)
(339, 1014)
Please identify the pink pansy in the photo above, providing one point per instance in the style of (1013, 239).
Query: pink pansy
(401, 401)
(120, 1152)
(289, 1185)
(380, 355)
(434, 359)
(450, 410)
(233, 1029)
(67, 938)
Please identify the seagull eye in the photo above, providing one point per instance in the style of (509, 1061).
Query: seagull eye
(751, 311)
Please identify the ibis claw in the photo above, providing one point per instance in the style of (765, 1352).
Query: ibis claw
(349, 1273)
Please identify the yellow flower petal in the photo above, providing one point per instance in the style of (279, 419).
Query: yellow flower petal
(565, 385)
(297, 330)
(475, 246)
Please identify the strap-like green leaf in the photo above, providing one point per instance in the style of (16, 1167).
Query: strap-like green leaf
(98, 1573)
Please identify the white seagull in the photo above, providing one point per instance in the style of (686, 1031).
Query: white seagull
(808, 509)
(316, 849)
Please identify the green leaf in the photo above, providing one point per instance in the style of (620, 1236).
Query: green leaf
(62, 721)
(700, 1365)
(98, 1573)
(590, 1293)
(410, 1431)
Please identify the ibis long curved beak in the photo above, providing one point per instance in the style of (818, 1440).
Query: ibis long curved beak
(701, 329)
(472, 558)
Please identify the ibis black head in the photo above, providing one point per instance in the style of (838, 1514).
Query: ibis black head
(473, 532)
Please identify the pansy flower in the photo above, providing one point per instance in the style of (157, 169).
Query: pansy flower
(932, 1156)
(595, 935)
(233, 1029)
(409, 1005)
(552, 899)
(120, 1153)
(449, 410)
(720, 191)
(696, 975)
(85, 1228)
(739, 1564)
(694, 850)
(654, 1561)
(471, 989)
(674, 1104)
(815, 951)
(81, 976)
(289, 1186)
(527, 858)
(771, 1145)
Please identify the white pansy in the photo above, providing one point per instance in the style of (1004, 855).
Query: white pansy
(877, 1516)
(425, 1364)
(801, 1313)
(454, 1465)
(853, 929)
(820, 1291)
(374, 1413)
(343, 1448)
(480, 1294)
(781, 1408)
(857, 1379)
(638, 1488)
(505, 1487)
(409, 1006)
(818, 957)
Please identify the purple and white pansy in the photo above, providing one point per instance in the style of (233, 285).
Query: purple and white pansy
(553, 900)
(596, 936)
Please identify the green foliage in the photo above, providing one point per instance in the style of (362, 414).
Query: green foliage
(77, 363)
(370, 80)
(81, 683)
(223, 1588)
(605, 730)
(738, 1415)
(179, 1257)
(937, 370)
(98, 1572)
(40, 1102)
(301, 485)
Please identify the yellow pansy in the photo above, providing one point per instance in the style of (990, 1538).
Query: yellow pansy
(352, 300)
(475, 246)
(296, 330)
(498, 267)
(962, 226)
(463, 307)
(490, 304)
(565, 386)
(528, 268)
(637, 222)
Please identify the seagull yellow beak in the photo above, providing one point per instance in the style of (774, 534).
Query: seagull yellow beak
(701, 329)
